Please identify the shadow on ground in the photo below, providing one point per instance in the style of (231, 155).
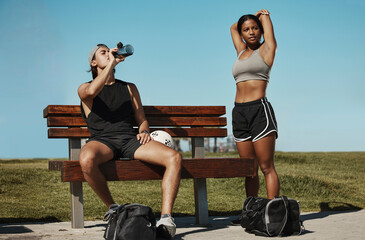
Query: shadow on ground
(220, 221)
(29, 220)
(331, 208)
(215, 223)
(10, 229)
(8, 225)
(337, 206)
(210, 213)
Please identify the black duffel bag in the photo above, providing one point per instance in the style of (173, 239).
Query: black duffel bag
(271, 217)
(130, 222)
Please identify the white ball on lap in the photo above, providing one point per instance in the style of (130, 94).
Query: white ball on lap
(163, 137)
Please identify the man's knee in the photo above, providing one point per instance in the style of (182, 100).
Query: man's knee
(87, 161)
(174, 160)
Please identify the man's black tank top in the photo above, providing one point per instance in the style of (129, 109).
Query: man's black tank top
(112, 111)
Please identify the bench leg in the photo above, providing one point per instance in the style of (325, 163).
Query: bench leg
(200, 186)
(77, 207)
(77, 201)
(201, 202)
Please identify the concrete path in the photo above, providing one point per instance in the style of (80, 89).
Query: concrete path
(318, 225)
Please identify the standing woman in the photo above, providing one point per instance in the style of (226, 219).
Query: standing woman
(253, 119)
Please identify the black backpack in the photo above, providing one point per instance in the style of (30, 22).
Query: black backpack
(271, 217)
(130, 222)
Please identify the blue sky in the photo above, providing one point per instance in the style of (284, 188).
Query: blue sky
(184, 56)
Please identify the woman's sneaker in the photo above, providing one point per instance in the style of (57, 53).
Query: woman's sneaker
(166, 228)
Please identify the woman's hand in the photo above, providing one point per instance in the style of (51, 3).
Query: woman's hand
(262, 12)
(144, 137)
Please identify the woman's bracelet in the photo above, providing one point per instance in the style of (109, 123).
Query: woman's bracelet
(145, 131)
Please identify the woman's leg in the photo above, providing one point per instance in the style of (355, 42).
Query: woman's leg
(246, 150)
(264, 150)
(91, 156)
(157, 153)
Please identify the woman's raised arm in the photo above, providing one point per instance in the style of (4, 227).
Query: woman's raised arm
(238, 43)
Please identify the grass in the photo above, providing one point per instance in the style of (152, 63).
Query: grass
(320, 181)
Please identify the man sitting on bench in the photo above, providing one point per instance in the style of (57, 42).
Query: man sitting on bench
(108, 106)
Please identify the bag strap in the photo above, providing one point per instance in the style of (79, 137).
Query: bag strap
(110, 212)
(285, 219)
(248, 202)
(286, 204)
(120, 218)
(255, 203)
(252, 206)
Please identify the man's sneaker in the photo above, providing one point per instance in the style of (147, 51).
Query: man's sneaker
(166, 228)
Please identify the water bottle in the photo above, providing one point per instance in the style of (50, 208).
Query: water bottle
(124, 51)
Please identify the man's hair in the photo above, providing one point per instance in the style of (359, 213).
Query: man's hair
(94, 70)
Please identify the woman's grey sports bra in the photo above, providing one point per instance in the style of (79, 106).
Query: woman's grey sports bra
(252, 68)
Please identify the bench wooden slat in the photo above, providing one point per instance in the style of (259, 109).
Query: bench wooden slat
(174, 132)
(61, 110)
(74, 110)
(212, 111)
(55, 165)
(120, 170)
(66, 122)
(153, 121)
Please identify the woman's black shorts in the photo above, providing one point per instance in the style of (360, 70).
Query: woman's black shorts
(253, 120)
(123, 145)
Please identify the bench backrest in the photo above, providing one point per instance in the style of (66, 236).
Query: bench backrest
(65, 121)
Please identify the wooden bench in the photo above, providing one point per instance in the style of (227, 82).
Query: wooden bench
(195, 122)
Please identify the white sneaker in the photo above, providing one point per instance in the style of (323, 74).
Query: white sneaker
(166, 228)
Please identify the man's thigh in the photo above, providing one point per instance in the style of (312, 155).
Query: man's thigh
(154, 152)
(97, 151)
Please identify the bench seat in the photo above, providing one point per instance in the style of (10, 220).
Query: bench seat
(194, 122)
(130, 170)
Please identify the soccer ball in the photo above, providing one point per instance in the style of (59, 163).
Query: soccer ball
(163, 137)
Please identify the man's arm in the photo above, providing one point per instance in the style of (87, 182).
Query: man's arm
(89, 91)
(143, 126)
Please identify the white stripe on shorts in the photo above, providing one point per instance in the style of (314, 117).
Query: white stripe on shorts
(258, 137)
(272, 119)
(241, 139)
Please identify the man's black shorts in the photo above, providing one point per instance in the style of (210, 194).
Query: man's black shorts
(253, 120)
(123, 145)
